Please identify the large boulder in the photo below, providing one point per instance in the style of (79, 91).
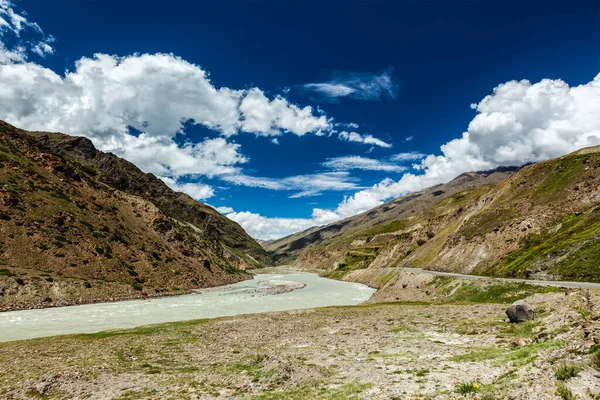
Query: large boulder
(520, 312)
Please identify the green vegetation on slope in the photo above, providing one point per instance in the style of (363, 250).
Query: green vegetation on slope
(569, 249)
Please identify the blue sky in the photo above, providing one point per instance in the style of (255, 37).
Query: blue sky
(387, 82)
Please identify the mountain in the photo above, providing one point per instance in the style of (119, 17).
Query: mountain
(288, 249)
(540, 221)
(78, 225)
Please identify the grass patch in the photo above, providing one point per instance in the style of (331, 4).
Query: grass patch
(566, 372)
(316, 390)
(564, 392)
(144, 330)
(468, 388)
(571, 251)
(521, 356)
(502, 293)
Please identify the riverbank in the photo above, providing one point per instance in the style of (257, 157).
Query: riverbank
(29, 289)
(459, 343)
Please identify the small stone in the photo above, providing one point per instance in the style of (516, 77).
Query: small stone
(520, 342)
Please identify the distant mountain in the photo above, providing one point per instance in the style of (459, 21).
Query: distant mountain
(542, 220)
(78, 225)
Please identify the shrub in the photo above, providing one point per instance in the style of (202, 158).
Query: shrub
(564, 392)
(136, 286)
(85, 223)
(596, 359)
(566, 372)
(98, 235)
(20, 281)
(47, 300)
(6, 272)
(60, 238)
(5, 217)
(29, 233)
(468, 388)
(421, 242)
(430, 235)
(60, 255)
(99, 250)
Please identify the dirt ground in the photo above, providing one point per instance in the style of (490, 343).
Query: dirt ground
(378, 351)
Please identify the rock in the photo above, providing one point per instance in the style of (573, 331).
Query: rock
(520, 312)
(520, 342)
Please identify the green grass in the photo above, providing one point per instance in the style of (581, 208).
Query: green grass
(486, 220)
(315, 390)
(384, 228)
(503, 293)
(559, 175)
(145, 330)
(501, 356)
(564, 392)
(575, 247)
(468, 388)
(566, 372)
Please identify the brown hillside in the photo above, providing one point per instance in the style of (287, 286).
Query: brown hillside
(78, 225)
(542, 221)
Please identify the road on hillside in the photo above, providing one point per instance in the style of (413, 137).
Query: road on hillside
(574, 285)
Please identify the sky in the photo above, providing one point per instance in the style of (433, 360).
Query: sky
(288, 114)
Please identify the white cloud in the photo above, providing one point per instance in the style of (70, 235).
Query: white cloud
(408, 139)
(363, 163)
(105, 96)
(224, 209)
(260, 227)
(43, 49)
(519, 123)
(366, 139)
(267, 117)
(357, 85)
(408, 156)
(198, 191)
(13, 23)
(303, 185)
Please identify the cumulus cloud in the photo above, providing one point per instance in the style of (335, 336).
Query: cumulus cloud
(357, 85)
(224, 209)
(198, 191)
(366, 139)
(106, 98)
(520, 122)
(265, 228)
(362, 163)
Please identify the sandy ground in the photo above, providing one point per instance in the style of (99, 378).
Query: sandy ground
(378, 351)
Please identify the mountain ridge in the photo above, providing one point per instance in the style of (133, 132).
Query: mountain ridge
(79, 225)
(542, 221)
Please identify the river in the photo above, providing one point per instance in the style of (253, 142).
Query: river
(266, 292)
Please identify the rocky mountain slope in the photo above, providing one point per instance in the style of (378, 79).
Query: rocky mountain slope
(290, 247)
(78, 225)
(542, 221)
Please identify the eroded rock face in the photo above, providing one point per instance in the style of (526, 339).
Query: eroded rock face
(520, 312)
